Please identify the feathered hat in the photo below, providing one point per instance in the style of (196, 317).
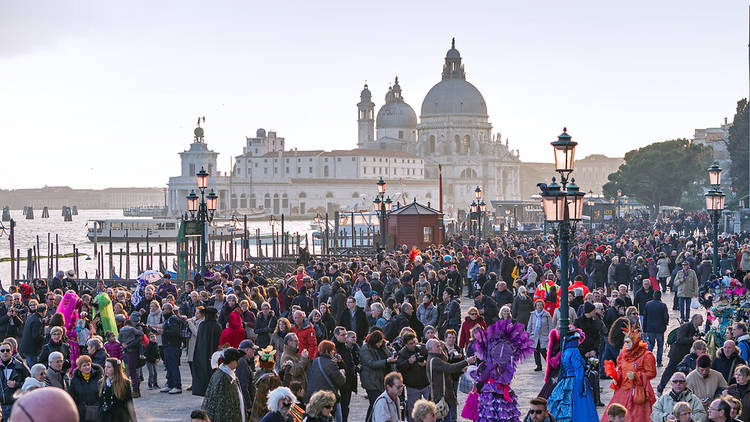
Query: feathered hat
(267, 357)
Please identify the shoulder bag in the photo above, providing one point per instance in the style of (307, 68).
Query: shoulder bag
(441, 407)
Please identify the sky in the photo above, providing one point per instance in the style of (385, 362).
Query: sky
(106, 94)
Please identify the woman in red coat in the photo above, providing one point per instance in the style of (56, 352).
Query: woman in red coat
(235, 332)
(469, 322)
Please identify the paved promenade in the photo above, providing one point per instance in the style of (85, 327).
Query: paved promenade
(158, 407)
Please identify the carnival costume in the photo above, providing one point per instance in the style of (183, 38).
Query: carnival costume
(500, 347)
(103, 306)
(554, 354)
(68, 307)
(635, 394)
(266, 379)
(572, 397)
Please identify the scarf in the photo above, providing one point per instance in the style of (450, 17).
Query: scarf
(86, 376)
(538, 324)
(233, 377)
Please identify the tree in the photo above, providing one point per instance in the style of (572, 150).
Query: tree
(660, 173)
(737, 146)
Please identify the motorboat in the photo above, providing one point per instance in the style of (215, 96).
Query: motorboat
(142, 229)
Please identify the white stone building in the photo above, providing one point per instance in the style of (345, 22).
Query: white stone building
(453, 134)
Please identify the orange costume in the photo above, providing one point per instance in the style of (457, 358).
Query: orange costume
(634, 391)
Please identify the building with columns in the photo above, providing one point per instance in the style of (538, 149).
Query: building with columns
(452, 136)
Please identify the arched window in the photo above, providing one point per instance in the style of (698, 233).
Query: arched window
(276, 203)
(253, 203)
(431, 145)
(468, 174)
(243, 201)
(302, 195)
(467, 142)
(233, 201)
(329, 195)
(459, 144)
(284, 201)
(267, 201)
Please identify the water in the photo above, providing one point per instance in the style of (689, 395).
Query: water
(74, 233)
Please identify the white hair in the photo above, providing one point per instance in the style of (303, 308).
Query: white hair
(276, 395)
(37, 369)
(431, 343)
(55, 355)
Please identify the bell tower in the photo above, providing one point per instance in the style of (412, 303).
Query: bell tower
(365, 118)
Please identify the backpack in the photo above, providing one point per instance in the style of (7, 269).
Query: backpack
(672, 336)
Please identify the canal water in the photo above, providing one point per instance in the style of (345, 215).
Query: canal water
(74, 233)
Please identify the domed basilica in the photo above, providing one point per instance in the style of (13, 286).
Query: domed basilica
(453, 135)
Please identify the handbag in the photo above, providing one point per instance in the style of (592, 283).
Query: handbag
(441, 407)
(466, 383)
(91, 413)
(694, 303)
(639, 395)
(328, 380)
(471, 406)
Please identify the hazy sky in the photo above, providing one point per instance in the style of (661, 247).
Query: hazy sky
(104, 93)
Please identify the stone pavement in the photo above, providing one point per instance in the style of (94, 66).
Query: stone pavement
(161, 407)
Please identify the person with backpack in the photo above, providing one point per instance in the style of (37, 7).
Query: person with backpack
(130, 337)
(655, 320)
(739, 331)
(681, 341)
(172, 341)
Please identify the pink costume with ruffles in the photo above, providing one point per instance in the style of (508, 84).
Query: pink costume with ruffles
(68, 307)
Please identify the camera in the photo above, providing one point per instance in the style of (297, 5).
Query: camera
(421, 355)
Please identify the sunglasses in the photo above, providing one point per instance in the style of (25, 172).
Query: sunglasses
(536, 412)
(4, 350)
(330, 406)
(678, 381)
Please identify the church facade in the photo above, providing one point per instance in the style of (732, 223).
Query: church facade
(452, 136)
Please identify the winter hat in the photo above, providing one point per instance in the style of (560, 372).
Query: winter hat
(588, 307)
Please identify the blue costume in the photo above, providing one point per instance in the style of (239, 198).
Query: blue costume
(572, 396)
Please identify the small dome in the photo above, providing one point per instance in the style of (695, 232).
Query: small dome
(365, 94)
(198, 132)
(452, 54)
(396, 114)
(260, 133)
(454, 97)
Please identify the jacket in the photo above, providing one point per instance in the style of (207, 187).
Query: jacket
(264, 326)
(18, 373)
(62, 347)
(234, 333)
(222, 400)
(522, 309)
(549, 418)
(349, 361)
(316, 380)
(130, 338)
(85, 393)
(686, 287)
(415, 375)
(171, 334)
(385, 409)
(664, 406)
(33, 336)
(57, 379)
(656, 317)
(687, 364)
(427, 315)
(684, 342)
(542, 336)
(468, 324)
(359, 325)
(307, 339)
(642, 297)
(374, 367)
(744, 398)
(296, 370)
(439, 373)
(726, 365)
(100, 357)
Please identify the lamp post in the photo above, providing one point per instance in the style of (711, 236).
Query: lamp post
(384, 206)
(478, 207)
(715, 204)
(591, 209)
(563, 205)
(202, 210)
(617, 216)
(473, 215)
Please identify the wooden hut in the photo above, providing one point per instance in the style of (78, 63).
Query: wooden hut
(415, 224)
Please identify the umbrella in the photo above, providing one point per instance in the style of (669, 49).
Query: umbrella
(151, 276)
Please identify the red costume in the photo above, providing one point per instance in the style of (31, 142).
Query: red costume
(633, 391)
(307, 339)
(466, 326)
(234, 333)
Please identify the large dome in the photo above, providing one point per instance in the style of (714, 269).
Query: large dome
(454, 97)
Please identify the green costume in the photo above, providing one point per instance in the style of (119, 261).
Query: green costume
(222, 401)
(106, 313)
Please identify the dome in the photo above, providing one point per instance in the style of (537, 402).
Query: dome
(365, 94)
(396, 115)
(454, 97)
(260, 133)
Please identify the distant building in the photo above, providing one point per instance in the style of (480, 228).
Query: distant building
(55, 197)
(717, 138)
(591, 173)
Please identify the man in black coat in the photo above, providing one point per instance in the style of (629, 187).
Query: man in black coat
(33, 336)
(347, 362)
(245, 373)
(655, 320)
(686, 334)
(354, 319)
(502, 295)
(487, 307)
(643, 296)
(206, 343)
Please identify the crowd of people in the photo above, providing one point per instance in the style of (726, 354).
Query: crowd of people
(391, 327)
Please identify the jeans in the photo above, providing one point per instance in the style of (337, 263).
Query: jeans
(171, 359)
(539, 353)
(668, 372)
(372, 395)
(685, 308)
(131, 360)
(609, 354)
(658, 340)
(412, 395)
(153, 377)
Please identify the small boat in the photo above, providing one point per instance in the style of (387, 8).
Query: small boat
(155, 230)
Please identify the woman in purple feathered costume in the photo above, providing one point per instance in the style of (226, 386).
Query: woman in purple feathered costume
(501, 347)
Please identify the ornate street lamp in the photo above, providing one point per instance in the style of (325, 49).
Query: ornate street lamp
(382, 205)
(715, 205)
(202, 210)
(591, 209)
(563, 206)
